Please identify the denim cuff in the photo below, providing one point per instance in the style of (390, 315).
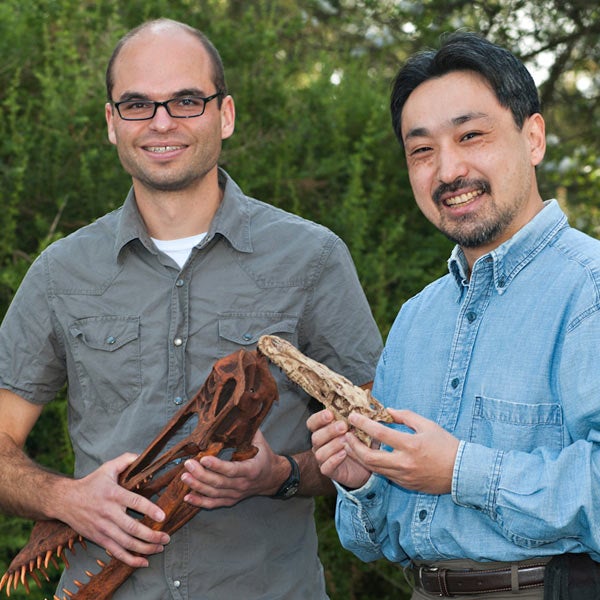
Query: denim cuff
(476, 476)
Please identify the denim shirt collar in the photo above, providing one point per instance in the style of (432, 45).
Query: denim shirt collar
(513, 255)
(232, 220)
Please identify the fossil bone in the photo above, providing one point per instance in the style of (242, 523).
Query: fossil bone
(331, 389)
(230, 406)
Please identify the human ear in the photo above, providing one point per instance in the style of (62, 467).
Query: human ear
(535, 128)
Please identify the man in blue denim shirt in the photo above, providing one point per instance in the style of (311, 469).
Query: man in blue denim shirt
(492, 373)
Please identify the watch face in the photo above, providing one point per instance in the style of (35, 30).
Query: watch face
(291, 485)
(291, 490)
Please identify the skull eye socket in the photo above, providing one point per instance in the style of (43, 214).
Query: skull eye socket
(225, 395)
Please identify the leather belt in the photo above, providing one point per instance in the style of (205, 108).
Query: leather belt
(446, 583)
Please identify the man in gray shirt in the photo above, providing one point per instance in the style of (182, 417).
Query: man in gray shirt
(133, 310)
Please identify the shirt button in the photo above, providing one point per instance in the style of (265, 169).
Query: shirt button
(177, 342)
(111, 340)
(454, 383)
(180, 283)
(371, 495)
(178, 400)
(177, 583)
(422, 515)
(247, 336)
(471, 316)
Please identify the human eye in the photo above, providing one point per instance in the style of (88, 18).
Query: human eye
(189, 102)
(136, 104)
(419, 150)
(132, 108)
(470, 135)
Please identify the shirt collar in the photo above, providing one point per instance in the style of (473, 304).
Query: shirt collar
(232, 220)
(510, 257)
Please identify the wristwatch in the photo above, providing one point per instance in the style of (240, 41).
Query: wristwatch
(290, 486)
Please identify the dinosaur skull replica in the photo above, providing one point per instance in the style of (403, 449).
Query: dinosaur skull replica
(229, 407)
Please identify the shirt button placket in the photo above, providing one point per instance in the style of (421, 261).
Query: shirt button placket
(178, 324)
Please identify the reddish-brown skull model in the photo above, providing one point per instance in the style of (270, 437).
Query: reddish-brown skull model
(230, 407)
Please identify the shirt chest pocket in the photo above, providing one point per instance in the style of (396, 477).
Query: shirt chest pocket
(508, 425)
(106, 351)
(243, 330)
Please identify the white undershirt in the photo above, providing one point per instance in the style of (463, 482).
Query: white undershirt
(179, 250)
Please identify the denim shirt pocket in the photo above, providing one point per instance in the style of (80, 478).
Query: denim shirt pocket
(509, 425)
(106, 350)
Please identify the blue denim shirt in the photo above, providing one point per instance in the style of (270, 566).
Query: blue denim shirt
(508, 361)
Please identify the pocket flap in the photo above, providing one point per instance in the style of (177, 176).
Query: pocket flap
(247, 328)
(107, 333)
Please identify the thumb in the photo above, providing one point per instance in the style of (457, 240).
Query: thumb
(120, 463)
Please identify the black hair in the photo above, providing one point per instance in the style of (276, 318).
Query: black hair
(507, 76)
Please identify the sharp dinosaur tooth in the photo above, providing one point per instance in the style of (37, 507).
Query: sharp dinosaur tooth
(47, 559)
(35, 577)
(68, 593)
(65, 560)
(78, 583)
(3, 580)
(89, 573)
(23, 574)
(9, 584)
(100, 563)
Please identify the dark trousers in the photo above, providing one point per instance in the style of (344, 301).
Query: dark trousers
(572, 577)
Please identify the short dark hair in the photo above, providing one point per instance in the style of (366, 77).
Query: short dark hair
(215, 58)
(508, 77)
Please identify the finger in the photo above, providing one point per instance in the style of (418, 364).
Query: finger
(211, 464)
(120, 463)
(129, 550)
(126, 535)
(319, 419)
(409, 418)
(142, 505)
(372, 428)
(329, 433)
(203, 482)
(332, 463)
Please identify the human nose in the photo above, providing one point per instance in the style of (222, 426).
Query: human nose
(162, 119)
(451, 164)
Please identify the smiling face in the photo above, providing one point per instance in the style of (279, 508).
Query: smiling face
(471, 169)
(165, 153)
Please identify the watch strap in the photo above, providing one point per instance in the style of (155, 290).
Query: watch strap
(290, 486)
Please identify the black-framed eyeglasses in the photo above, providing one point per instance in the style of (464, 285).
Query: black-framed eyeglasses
(184, 107)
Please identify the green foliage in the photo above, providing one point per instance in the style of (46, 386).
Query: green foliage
(311, 81)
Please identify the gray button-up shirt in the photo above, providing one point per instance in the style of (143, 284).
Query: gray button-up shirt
(134, 337)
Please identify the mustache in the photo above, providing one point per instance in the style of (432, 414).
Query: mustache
(461, 183)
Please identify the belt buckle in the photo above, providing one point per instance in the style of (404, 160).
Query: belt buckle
(440, 574)
(432, 570)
